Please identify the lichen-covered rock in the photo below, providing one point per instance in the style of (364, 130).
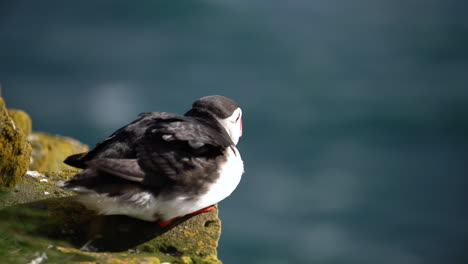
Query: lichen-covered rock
(49, 151)
(21, 119)
(67, 227)
(15, 150)
(36, 186)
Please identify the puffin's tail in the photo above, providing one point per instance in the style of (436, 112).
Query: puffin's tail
(76, 160)
(74, 187)
(82, 182)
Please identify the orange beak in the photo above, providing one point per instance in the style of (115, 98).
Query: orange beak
(241, 126)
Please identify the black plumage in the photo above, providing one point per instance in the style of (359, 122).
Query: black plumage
(159, 152)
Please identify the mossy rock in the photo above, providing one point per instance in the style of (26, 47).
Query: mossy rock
(49, 151)
(21, 119)
(63, 227)
(36, 186)
(15, 150)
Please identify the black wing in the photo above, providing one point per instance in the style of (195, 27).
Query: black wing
(156, 149)
(180, 151)
(121, 143)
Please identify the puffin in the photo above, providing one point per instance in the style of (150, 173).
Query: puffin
(163, 166)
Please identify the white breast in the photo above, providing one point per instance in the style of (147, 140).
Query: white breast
(147, 207)
(230, 176)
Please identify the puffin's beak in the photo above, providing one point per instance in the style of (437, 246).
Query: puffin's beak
(241, 126)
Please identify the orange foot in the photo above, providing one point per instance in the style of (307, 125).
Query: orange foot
(204, 210)
(166, 223)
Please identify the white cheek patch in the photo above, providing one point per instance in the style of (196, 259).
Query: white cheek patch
(233, 125)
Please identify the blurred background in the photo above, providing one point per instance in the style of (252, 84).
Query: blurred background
(355, 121)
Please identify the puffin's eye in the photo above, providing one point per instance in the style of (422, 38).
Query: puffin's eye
(237, 119)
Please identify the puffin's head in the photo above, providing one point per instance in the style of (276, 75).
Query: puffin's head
(223, 109)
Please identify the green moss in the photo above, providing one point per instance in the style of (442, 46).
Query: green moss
(49, 151)
(124, 258)
(18, 246)
(41, 187)
(193, 237)
(15, 151)
(22, 120)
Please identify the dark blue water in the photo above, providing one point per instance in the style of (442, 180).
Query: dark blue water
(355, 121)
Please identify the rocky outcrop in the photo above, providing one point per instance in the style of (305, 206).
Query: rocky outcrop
(21, 119)
(41, 222)
(15, 150)
(49, 151)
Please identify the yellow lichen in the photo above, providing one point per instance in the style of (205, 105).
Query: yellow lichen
(49, 151)
(15, 151)
(22, 120)
(211, 259)
(188, 233)
(186, 259)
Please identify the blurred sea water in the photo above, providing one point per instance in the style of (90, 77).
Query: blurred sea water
(355, 120)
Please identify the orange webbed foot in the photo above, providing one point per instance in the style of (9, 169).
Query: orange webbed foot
(166, 223)
(204, 210)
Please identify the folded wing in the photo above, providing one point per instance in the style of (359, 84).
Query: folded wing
(153, 150)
